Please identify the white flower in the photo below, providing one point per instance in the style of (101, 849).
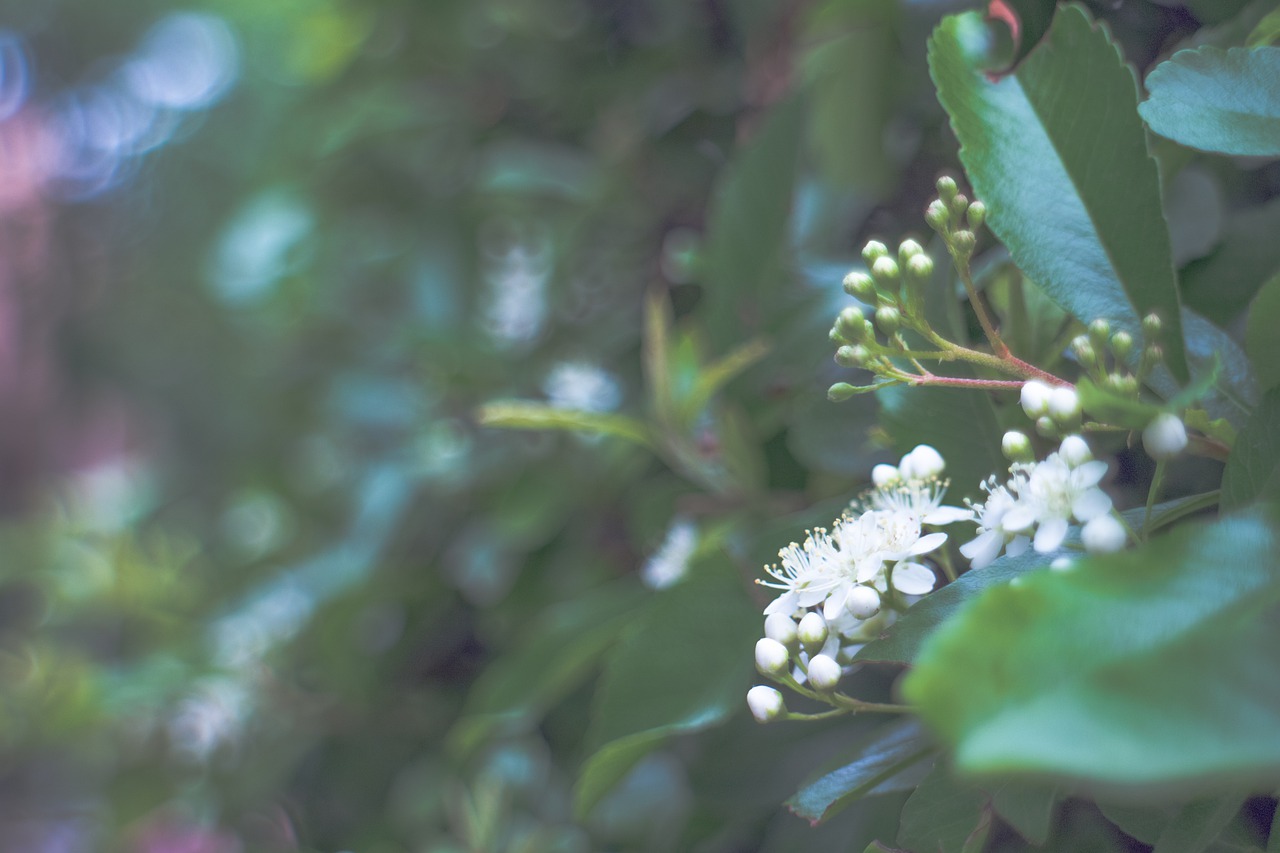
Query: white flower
(807, 573)
(919, 498)
(1103, 534)
(812, 630)
(922, 463)
(670, 562)
(1075, 450)
(1055, 492)
(1064, 405)
(884, 475)
(780, 627)
(766, 703)
(993, 534)
(863, 602)
(1035, 398)
(771, 656)
(1165, 437)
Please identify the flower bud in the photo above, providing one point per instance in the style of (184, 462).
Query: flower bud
(812, 631)
(766, 703)
(1121, 344)
(922, 463)
(860, 286)
(824, 673)
(840, 392)
(849, 322)
(772, 658)
(851, 356)
(780, 627)
(1099, 331)
(937, 215)
(964, 241)
(863, 602)
(907, 250)
(1075, 451)
(885, 270)
(1153, 354)
(1165, 437)
(958, 206)
(920, 268)
(1151, 327)
(1103, 535)
(884, 475)
(1045, 426)
(946, 188)
(1083, 349)
(1035, 398)
(888, 319)
(1017, 447)
(835, 336)
(873, 250)
(1127, 385)
(977, 215)
(1064, 405)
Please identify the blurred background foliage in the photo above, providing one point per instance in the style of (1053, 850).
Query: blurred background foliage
(267, 583)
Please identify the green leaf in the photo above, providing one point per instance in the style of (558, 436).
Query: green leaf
(716, 375)
(1266, 32)
(1252, 473)
(649, 691)
(1221, 285)
(1109, 407)
(556, 654)
(1226, 101)
(1197, 824)
(1261, 340)
(1027, 807)
(960, 424)
(942, 813)
(890, 750)
(1028, 21)
(1144, 668)
(1083, 220)
(517, 414)
(747, 228)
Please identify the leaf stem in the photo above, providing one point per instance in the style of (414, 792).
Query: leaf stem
(1157, 480)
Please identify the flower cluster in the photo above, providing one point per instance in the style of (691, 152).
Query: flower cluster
(1034, 507)
(845, 584)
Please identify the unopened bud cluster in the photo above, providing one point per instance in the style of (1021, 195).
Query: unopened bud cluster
(956, 219)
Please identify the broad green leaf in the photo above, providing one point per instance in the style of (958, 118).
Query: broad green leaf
(1253, 469)
(890, 750)
(960, 424)
(1145, 668)
(1027, 807)
(1197, 824)
(649, 691)
(1226, 101)
(1266, 32)
(554, 656)
(747, 228)
(942, 813)
(1083, 220)
(1109, 407)
(517, 414)
(1028, 21)
(1143, 822)
(1262, 334)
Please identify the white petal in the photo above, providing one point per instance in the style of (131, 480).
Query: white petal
(1091, 504)
(1019, 518)
(835, 604)
(785, 604)
(948, 515)
(1018, 546)
(1088, 474)
(982, 550)
(925, 544)
(913, 579)
(1050, 535)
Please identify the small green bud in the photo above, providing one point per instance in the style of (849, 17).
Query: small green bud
(888, 319)
(840, 392)
(920, 268)
(1045, 426)
(1153, 354)
(1128, 385)
(849, 324)
(964, 241)
(1083, 349)
(874, 249)
(835, 336)
(907, 250)
(847, 356)
(1099, 331)
(1115, 381)
(958, 206)
(868, 331)
(977, 215)
(946, 188)
(1151, 327)
(1017, 447)
(1121, 345)
(937, 215)
(885, 270)
(859, 285)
